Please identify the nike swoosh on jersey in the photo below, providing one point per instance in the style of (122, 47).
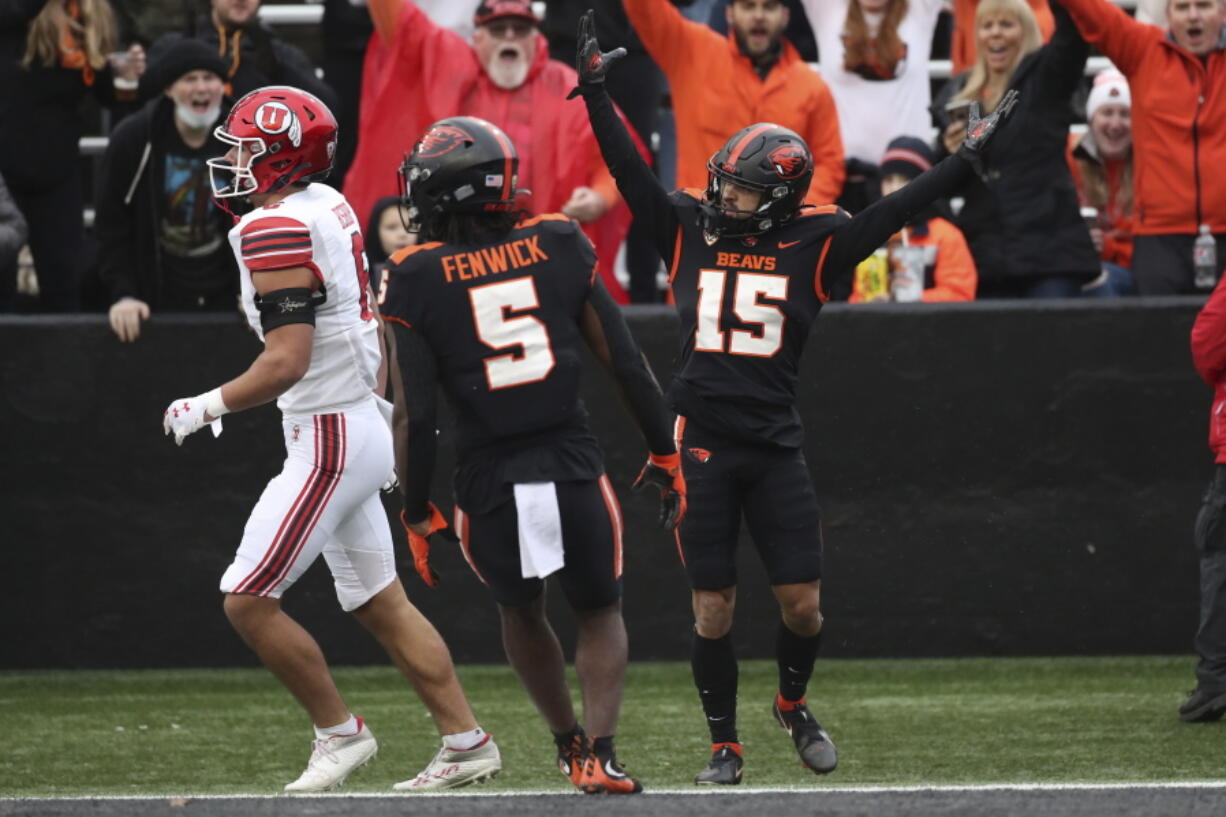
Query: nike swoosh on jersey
(783, 245)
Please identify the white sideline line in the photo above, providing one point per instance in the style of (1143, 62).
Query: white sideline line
(708, 792)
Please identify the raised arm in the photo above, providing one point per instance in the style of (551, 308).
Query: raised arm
(1107, 26)
(860, 236)
(872, 227)
(385, 14)
(1063, 61)
(667, 35)
(647, 199)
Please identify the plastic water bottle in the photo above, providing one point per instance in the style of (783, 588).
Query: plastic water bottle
(1204, 259)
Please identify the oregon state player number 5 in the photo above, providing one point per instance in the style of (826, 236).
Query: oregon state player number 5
(751, 287)
(497, 328)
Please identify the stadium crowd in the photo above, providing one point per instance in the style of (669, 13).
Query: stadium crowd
(1089, 214)
(896, 197)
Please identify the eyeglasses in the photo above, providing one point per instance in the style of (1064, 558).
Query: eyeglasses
(517, 28)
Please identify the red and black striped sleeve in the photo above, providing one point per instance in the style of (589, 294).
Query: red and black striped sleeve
(276, 242)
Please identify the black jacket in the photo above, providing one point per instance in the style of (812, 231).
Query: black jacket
(1024, 221)
(129, 205)
(262, 58)
(40, 118)
(13, 229)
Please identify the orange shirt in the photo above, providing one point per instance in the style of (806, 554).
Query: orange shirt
(717, 91)
(949, 273)
(1178, 123)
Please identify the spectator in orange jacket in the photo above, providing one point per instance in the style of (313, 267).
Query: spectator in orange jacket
(417, 73)
(963, 50)
(1178, 130)
(1208, 701)
(722, 83)
(948, 268)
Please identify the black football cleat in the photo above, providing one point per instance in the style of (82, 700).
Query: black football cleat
(814, 746)
(725, 766)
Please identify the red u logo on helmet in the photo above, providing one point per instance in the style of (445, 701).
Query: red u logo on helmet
(273, 117)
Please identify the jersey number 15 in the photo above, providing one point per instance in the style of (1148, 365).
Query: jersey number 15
(748, 308)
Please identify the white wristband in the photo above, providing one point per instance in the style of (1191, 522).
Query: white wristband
(213, 403)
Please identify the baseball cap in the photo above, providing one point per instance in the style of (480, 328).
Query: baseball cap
(494, 9)
(906, 156)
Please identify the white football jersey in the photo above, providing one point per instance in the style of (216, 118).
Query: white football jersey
(317, 229)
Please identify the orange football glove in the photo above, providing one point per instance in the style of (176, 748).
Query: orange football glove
(664, 472)
(419, 545)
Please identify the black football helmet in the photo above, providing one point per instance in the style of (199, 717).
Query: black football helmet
(461, 164)
(763, 157)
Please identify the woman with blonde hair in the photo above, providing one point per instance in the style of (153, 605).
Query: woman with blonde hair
(1022, 220)
(874, 57)
(53, 53)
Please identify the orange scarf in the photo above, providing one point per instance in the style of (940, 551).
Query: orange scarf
(71, 54)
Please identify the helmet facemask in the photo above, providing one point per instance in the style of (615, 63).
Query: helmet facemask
(719, 219)
(237, 179)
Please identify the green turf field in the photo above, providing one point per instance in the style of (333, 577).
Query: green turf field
(895, 722)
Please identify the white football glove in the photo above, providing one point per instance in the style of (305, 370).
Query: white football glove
(186, 415)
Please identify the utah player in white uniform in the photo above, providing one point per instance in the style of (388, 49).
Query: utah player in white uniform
(305, 293)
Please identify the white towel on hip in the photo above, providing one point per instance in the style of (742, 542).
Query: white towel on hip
(540, 529)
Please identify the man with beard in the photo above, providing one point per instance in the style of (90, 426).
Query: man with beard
(1179, 132)
(162, 242)
(505, 77)
(720, 84)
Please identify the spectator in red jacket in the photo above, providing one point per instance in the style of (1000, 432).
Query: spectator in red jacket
(417, 73)
(1101, 163)
(1179, 132)
(1208, 701)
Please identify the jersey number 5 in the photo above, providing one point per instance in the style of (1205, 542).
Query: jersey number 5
(751, 287)
(531, 358)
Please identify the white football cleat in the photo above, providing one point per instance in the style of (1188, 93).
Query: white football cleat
(453, 768)
(333, 758)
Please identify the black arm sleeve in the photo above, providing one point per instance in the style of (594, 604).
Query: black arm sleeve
(647, 199)
(1061, 68)
(414, 380)
(609, 337)
(857, 238)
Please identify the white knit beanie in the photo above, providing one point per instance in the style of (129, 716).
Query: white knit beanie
(1110, 88)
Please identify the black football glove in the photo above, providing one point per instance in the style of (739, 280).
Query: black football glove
(979, 131)
(592, 65)
(664, 472)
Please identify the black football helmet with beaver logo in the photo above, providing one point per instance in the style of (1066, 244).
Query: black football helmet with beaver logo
(764, 157)
(461, 164)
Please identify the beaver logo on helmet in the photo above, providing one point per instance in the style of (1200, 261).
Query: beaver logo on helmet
(439, 140)
(789, 161)
(276, 117)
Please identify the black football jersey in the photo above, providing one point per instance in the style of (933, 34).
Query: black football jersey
(502, 322)
(746, 307)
